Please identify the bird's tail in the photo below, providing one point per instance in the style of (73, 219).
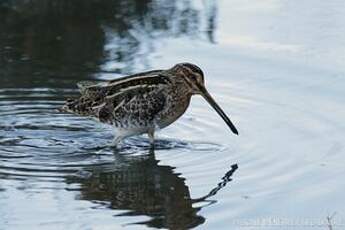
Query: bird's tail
(80, 106)
(70, 106)
(84, 104)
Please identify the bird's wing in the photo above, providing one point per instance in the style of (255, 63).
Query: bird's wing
(135, 103)
(83, 85)
(137, 75)
(99, 90)
(100, 100)
(89, 88)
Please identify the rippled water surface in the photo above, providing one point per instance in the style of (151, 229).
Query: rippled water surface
(276, 67)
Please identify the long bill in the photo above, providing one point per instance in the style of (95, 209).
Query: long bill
(214, 104)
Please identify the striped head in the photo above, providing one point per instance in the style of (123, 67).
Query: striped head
(191, 74)
(194, 78)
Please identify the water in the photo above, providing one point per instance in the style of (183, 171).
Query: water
(276, 67)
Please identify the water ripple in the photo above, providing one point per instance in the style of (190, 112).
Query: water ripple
(37, 141)
(43, 150)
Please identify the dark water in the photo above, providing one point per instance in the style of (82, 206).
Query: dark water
(278, 72)
(46, 47)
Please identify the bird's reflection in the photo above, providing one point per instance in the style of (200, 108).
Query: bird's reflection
(143, 187)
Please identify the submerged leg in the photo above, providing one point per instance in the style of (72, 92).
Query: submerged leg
(151, 134)
(116, 141)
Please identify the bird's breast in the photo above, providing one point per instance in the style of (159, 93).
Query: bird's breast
(176, 104)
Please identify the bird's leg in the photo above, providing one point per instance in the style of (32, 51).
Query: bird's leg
(116, 141)
(151, 134)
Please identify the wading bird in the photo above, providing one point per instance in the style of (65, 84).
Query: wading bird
(143, 102)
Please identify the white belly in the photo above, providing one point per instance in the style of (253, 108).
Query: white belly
(127, 132)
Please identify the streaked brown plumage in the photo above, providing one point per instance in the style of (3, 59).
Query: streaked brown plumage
(143, 102)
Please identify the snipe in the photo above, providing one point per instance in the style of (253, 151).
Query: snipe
(143, 102)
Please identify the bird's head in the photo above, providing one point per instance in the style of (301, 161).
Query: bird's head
(194, 79)
(191, 74)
